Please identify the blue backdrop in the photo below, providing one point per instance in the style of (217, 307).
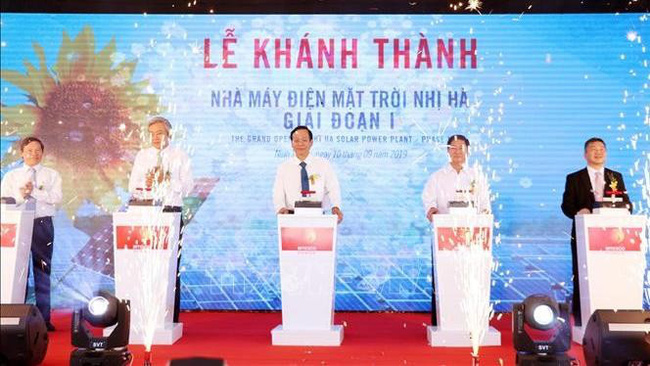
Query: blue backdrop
(534, 88)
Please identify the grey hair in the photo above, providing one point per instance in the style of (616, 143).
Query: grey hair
(160, 119)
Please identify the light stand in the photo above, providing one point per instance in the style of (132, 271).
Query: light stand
(103, 311)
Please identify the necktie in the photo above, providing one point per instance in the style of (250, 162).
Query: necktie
(33, 173)
(598, 189)
(304, 179)
(159, 159)
(30, 202)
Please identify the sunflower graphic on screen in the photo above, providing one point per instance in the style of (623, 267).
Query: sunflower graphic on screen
(88, 111)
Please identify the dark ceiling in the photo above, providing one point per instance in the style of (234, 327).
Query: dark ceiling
(320, 6)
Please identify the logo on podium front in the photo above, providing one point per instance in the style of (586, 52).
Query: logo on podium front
(140, 237)
(8, 235)
(615, 239)
(307, 238)
(450, 238)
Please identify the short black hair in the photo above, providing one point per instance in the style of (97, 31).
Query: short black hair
(457, 137)
(311, 136)
(28, 140)
(594, 139)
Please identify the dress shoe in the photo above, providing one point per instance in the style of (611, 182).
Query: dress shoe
(50, 327)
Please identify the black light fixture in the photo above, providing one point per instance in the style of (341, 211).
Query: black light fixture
(102, 311)
(617, 337)
(541, 331)
(23, 335)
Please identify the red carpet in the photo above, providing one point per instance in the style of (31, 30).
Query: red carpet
(243, 338)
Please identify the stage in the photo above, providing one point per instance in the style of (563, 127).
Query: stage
(244, 338)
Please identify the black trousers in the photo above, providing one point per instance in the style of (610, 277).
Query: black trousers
(177, 292)
(575, 303)
(42, 249)
(434, 319)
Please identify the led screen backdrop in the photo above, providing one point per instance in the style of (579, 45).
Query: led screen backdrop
(381, 93)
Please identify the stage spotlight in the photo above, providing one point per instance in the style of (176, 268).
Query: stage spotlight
(543, 316)
(101, 311)
(541, 332)
(88, 323)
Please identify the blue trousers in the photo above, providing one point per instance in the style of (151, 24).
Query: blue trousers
(42, 248)
(177, 294)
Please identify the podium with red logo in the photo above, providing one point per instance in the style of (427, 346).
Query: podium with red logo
(611, 262)
(453, 293)
(307, 245)
(15, 246)
(145, 251)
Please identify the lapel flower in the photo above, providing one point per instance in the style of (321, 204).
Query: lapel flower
(313, 177)
(613, 183)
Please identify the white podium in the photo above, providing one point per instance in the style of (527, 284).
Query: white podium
(15, 246)
(611, 262)
(145, 250)
(307, 246)
(449, 232)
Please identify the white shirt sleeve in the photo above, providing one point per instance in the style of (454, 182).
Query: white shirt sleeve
(5, 187)
(138, 173)
(54, 194)
(332, 187)
(430, 194)
(185, 182)
(483, 193)
(11, 188)
(278, 190)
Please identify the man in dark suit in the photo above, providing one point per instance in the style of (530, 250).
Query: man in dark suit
(583, 189)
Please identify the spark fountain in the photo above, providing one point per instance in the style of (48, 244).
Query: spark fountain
(474, 256)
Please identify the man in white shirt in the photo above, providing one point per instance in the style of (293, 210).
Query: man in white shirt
(453, 181)
(305, 176)
(167, 172)
(163, 168)
(582, 190)
(36, 187)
